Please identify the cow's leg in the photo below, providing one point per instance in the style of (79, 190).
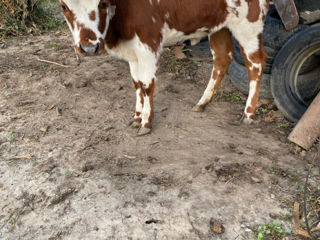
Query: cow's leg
(223, 52)
(147, 68)
(255, 57)
(147, 114)
(139, 94)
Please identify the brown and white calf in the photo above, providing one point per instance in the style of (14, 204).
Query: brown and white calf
(137, 31)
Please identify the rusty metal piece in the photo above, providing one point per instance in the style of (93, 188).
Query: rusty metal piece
(288, 13)
(308, 128)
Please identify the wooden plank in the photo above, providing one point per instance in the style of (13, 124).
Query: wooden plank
(307, 130)
(288, 13)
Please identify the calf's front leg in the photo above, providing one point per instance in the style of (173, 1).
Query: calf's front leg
(139, 105)
(134, 70)
(147, 114)
(143, 71)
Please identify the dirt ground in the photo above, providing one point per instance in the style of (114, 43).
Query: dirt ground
(72, 168)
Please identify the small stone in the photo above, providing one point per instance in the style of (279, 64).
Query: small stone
(297, 149)
(272, 196)
(256, 180)
(303, 153)
(44, 129)
(87, 166)
(216, 226)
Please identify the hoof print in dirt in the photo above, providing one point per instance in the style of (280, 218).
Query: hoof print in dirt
(87, 166)
(143, 131)
(63, 192)
(216, 226)
(153, 221)
(47, 166)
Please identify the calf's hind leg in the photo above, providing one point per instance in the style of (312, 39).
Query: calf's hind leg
(255, 57)
(222, 51)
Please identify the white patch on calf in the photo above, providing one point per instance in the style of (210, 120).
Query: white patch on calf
(153, 20)
(172, 36)
(252, 91)
(145, 114)
(206, 97)
(245, 32)
(136, 51)
(256, 66)
(139, 106)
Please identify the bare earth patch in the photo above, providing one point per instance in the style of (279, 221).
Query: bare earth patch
(71, 168)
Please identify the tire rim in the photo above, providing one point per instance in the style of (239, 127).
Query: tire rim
(305, 90)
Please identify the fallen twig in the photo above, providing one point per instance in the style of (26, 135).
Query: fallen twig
(55, 63)
(27, 156)
(296, 221)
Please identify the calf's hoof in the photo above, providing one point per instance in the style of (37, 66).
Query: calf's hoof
(247, 121)
(198, 108)
(135, 124)
(143, 131)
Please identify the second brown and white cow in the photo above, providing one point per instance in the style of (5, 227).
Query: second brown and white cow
(137, 31)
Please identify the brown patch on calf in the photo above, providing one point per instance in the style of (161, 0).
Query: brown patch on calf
(138, 85)
(92, 16)
(221, 44)
(102, 16)
(188, 19)
(86, 35)
(254, 10)
(149, 91)
(70, 17)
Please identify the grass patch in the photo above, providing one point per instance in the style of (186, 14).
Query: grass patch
(182, 68)
(271, 231)
(284, 125)
(18, 17)
(234, 97)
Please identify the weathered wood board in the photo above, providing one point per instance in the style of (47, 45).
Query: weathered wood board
(308, 128)
(288, 13)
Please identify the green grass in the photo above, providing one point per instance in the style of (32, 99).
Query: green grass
(19, 17)
(284, 125)
(234, 97)
(271, 231)
(53, 45)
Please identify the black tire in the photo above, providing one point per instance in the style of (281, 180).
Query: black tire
(239, 78)
(274, 32)
(309, 11)
(288, 90)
